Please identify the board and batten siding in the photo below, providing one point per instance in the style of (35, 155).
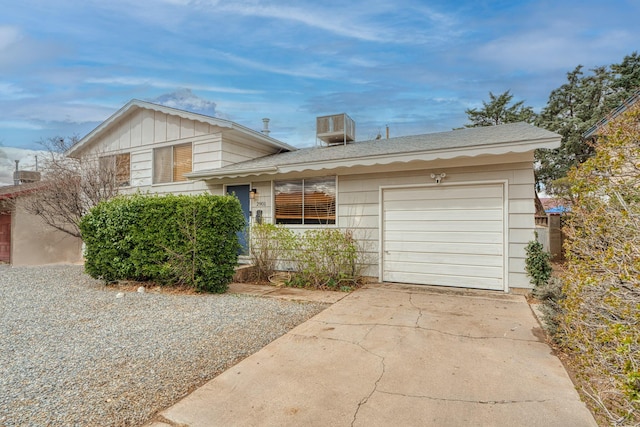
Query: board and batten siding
(359, 206)
(143, 130)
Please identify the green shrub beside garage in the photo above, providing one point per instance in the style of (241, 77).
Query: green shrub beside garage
(169, 240)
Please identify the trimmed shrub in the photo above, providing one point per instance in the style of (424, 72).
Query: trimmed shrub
(183, 240)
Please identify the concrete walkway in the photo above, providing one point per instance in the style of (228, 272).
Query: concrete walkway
(397, 355)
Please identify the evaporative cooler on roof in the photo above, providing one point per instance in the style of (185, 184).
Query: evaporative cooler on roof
(335, 129)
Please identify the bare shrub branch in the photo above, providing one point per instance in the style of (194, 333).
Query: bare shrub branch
(70, 187)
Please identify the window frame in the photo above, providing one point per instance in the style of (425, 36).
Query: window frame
(328, 220)
(171, 173)
(111, 161)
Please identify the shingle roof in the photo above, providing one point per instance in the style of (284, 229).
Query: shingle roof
(12, 191)
(517, 137)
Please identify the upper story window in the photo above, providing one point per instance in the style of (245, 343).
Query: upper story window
(117, 168)
(306, 201)
(171, 163)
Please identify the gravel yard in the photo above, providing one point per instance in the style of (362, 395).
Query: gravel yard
(72, 354)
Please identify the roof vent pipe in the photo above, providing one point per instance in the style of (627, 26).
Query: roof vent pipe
(16, 178)
(265, 128)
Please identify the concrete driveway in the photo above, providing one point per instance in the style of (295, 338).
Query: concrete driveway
(397, 355)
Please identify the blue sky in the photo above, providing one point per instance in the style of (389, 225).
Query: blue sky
(65, 66)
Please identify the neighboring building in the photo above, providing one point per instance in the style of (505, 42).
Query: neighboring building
(453, 208)
(25, 239)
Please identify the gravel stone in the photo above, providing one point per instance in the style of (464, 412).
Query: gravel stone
(74, 354)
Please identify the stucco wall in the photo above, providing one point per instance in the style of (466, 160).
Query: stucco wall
(35, 243)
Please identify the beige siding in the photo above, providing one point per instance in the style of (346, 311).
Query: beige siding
(358, 205)
(262, 201)
(236, 151)
(207, 151)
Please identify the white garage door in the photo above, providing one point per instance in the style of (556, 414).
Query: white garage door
(444, 235)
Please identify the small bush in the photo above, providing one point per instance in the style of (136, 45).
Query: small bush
(537, 263)
(270, 244)
(326, 258)
(186, 240)
(551, 294)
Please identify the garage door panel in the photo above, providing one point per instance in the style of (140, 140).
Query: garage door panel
(443, 236)
(446, 269)
(445, 280)
(447, 248)
(444, 192)
(444, 215)
(438, 204)
(440, 258)
(489, 226)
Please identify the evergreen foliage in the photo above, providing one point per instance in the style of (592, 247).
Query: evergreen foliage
(498, 111)
(184, 240)
(537, 263)
(573, 108)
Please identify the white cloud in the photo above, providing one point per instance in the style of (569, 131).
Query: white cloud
(19, 124)
(163, 84)
(184, 99)
(66, 112)
(9, 91)
(8, 156)
(558, 44)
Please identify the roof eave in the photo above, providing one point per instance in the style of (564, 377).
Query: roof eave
(382, 159)
(212, 174)
(426, 155)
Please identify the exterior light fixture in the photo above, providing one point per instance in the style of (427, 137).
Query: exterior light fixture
(438, 177)
(253, 193)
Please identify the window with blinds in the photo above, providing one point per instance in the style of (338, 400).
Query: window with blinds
(116, 168)
(306, 201)
(171, 163)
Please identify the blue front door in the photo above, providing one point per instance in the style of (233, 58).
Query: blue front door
(242, 193)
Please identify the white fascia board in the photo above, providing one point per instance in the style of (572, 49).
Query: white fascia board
(238, 173)
(444, 154)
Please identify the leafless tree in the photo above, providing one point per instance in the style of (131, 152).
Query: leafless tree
(71, 187)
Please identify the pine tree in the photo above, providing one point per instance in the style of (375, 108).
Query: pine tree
(497, 111)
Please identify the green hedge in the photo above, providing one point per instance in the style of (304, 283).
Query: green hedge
(187, 240)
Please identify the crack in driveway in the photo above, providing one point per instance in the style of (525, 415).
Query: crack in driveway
(481, 402)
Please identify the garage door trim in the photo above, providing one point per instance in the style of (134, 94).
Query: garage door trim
(505, 220)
